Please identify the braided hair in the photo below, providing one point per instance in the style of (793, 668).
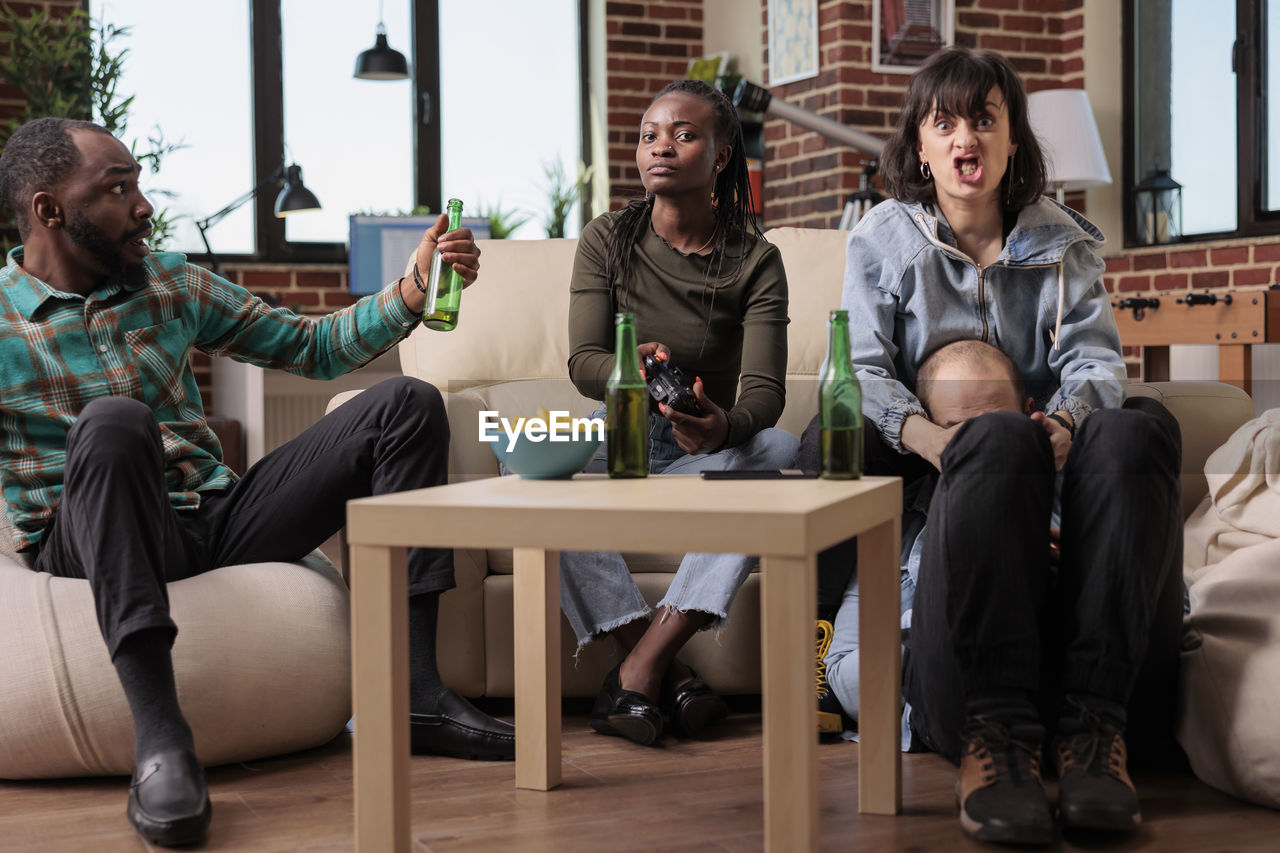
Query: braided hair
(732, 192)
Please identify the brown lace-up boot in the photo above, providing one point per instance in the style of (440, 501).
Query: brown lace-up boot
(999, 792)
(1094, 788)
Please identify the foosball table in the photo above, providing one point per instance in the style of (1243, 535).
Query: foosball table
(1233, 321)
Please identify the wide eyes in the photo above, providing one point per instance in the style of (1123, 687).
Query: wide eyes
(982, 122)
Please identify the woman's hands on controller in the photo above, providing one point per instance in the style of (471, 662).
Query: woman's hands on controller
(654, 349)
(694, 434)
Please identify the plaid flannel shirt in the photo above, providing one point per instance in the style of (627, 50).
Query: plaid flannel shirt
(59, 351)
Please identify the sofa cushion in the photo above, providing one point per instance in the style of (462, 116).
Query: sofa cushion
(814, 259)
(513, 322)
(1208, 413)
(262, 661)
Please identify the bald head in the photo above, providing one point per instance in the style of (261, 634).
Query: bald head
(969, 378)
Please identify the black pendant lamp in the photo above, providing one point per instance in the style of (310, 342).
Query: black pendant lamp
(381, 62)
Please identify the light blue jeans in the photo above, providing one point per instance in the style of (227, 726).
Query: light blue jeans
(597, 593)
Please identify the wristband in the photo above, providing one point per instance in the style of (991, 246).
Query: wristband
(1065, 423)
(417, 282)
(403, 301)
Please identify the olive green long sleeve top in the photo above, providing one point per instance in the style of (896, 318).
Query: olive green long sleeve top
(719, 330)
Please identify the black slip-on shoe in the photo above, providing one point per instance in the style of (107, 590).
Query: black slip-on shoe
(694, 707)
(168, 799)
(458, 729)
(625, 713)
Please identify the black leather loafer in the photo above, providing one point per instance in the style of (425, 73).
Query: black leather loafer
(168, 799)
(625, 713)
(459, 730)
(694, 707)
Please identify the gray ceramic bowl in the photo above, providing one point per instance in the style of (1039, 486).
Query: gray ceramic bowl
(545, 459)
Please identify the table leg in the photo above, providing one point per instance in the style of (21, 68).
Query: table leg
(537, 667)
(880, 670)
(380, 697)
(789, 588)
(1235, 366)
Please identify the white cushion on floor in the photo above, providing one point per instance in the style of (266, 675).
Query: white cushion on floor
(262, 660)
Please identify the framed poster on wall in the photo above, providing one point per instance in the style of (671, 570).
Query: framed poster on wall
(793, 40)
(905, 33)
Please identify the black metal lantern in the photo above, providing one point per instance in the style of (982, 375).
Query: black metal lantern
(1157, 201)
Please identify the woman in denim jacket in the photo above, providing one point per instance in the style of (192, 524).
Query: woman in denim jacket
(1003, 646)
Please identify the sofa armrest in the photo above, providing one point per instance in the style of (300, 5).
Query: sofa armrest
(1208, 413)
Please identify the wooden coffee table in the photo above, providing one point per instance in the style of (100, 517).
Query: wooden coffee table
(787, 522)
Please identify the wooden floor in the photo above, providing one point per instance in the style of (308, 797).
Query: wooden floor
(683, 795)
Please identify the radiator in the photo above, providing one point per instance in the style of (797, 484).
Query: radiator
(287, 415)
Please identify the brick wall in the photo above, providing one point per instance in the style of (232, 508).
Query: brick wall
(807, 178)
(649, 45)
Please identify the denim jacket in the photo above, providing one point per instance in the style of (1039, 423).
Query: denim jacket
(909, 290)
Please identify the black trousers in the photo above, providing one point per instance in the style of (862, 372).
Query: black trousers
(114, 524)
(990, 612)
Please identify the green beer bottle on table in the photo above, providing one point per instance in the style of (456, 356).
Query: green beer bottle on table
(626, 403)
(839, 406)
(444, 287)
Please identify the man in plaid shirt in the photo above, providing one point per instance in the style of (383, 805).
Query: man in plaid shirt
(111, 473)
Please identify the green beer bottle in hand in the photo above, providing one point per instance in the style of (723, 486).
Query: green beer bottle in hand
(444, 287)
(626, 401)
(839, 406)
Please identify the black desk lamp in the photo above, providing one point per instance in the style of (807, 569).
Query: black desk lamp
(294, 198)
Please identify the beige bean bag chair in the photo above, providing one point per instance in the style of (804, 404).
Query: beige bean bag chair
(1229, 719)
(262, 660)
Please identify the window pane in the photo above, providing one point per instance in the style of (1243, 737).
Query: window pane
(352, 138)
(1271, 201)
(1188, 107)
(204, 106)
(509, 94)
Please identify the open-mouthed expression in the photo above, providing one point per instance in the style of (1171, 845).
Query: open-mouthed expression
(677, 152)
(109, 219)
(968, 155)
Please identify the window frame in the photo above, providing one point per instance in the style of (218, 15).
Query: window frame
(267, 70)
(267, 73)
(1249, 55)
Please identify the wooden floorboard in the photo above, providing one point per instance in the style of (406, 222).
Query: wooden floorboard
(681, 796)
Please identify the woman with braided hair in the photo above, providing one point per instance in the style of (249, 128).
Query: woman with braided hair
(710, 295)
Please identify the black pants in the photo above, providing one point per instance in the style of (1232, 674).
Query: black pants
(115, 527)
(990, 613)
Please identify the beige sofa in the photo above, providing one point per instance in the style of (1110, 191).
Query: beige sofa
(509, 353)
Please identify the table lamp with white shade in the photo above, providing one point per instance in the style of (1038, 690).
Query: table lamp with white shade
(1063, 122)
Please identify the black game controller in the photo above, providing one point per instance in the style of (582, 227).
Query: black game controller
(667, 386)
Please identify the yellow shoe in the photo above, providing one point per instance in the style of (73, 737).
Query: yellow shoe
(829, 717)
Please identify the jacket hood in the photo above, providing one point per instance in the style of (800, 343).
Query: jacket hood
(1043, 233)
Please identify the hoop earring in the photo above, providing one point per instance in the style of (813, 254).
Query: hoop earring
(925, 171)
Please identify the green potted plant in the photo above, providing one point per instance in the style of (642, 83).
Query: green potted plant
(70, 66)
